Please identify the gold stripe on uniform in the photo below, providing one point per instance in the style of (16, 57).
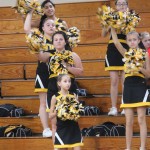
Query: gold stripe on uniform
(120, 40)
(68, 145)
(114, 68)
(38, 90)
(141, 104)
(130, 75)
(56, 75)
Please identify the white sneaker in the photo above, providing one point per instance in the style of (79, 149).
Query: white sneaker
(123, 112)
(113, 111)
(47, 132)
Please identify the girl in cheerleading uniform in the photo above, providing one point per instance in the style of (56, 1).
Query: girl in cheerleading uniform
(66, 107)
(113, 59)
(135, 93)
(42, 73)
(60, 62)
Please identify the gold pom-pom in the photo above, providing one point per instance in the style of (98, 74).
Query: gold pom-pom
(68, 108)
(36, 41)
(73, 34)
(25, 6)
(123, 21)
(134, 59)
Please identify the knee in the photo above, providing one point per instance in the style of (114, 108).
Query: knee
(129, 123)
(141, 119)
(114, 81)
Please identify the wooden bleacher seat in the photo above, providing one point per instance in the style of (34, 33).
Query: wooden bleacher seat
(17, 72)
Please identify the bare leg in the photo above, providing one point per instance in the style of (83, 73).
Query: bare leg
(42, 110)
(141, 111)
(77, 148)
(129, 114)
(114, 77)
(53, 122)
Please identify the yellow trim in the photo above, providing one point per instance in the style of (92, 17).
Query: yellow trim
(56, 75)
(68, 145)
(130, 75)
(116, 68)
(47, 110)
(141, 104)
(120, 40)
(40, 90)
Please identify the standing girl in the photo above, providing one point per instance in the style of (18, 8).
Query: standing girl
(113, 59)
(42, 73)
(68, 134)
(135, 93)
(60, 62)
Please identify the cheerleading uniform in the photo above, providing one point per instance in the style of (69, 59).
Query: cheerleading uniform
(68, 133)
(135, 92)
(113, 58)
(42, 73)
(56, 68)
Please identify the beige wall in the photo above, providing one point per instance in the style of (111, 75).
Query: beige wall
(6, 3)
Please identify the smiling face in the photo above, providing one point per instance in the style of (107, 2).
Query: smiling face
(65, 82)
(49, 27)
(133, 40)
(121, 5)
(49, 9)
(59, 42)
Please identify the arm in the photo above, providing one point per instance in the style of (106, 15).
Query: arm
(65, 24)
(105, 31)
(43, 56)
(146, 70)
(77, 69)
(118, 45)
(52, 113)
(27, 23)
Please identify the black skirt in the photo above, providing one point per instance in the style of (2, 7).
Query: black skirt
(68, 134)
(135, 92)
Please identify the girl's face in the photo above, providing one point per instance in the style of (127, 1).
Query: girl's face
(59, 42)
(49, 10)
(146, 42)
(65, 83)
(133, 41)
(121, 5)
(49, 27)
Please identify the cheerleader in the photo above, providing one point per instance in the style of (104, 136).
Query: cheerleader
(42, 74)
(113, 59)
(68, 134)
(62, 61)
(135, 93)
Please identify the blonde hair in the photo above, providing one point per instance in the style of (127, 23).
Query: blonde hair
(117, 1)
(133, 32)
(144, 35)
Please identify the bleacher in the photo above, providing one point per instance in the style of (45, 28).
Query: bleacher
(17, 72)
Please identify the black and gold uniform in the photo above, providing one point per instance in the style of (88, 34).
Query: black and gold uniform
(135, 92)
(56, 67)
(68, 133)
(42, 73)
(113, 58)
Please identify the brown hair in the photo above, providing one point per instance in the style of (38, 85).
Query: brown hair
(133, 32)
